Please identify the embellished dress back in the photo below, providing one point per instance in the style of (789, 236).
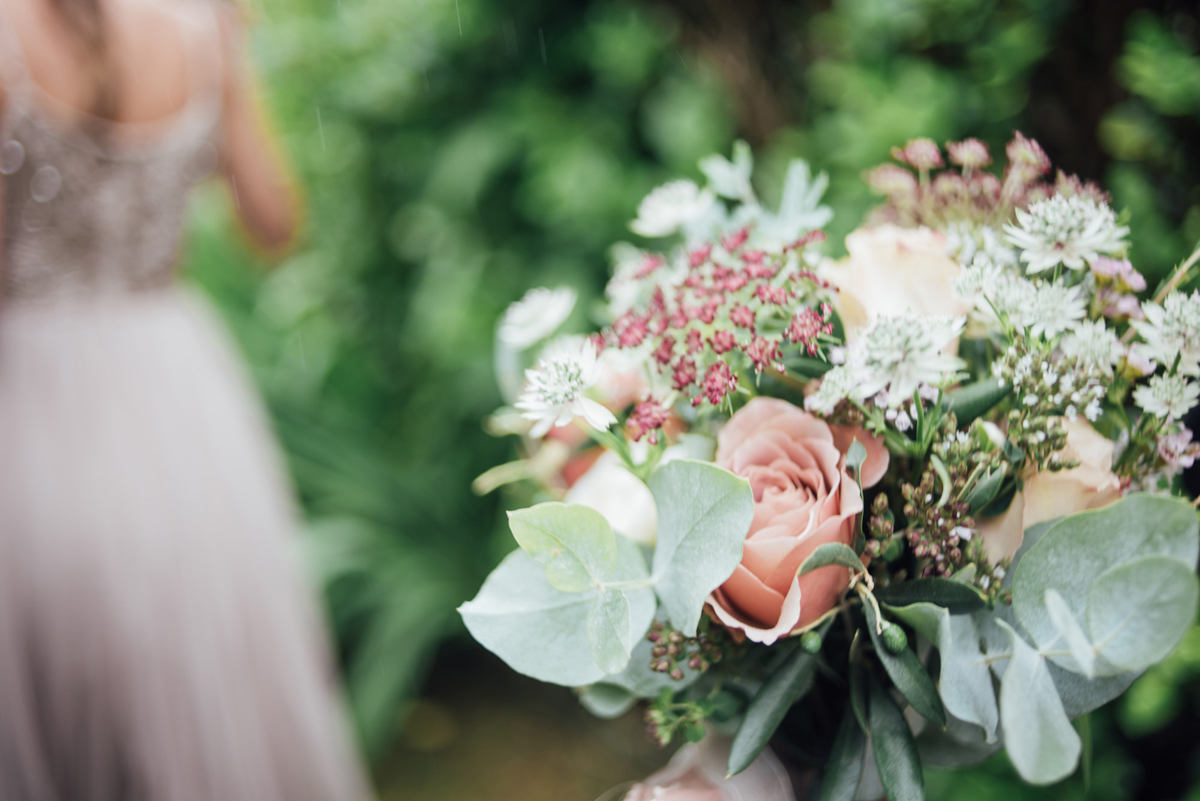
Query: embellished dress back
(157, 642)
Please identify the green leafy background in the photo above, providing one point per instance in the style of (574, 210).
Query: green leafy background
(457, 152)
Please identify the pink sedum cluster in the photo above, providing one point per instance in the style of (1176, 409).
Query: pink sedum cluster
(701, 331)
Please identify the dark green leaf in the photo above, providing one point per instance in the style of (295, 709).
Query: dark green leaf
(845, 765)
(831, 553)
(909, 675)
(974, 400)
(770, 704)
(895, 751)
(858, 690)
(956, 596)
(985, 489)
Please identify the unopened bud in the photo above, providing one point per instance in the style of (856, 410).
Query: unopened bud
(810, 641)
(894, 638)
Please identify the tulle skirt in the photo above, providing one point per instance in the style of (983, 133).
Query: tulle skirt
(156, 639)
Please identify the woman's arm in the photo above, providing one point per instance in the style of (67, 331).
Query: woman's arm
(262, 188)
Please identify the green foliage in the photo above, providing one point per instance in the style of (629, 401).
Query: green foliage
(895, 751)
(769, 705)
(575, 543)
(704, 513)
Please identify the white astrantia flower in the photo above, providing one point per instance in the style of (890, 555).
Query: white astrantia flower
(1173, 330)
(1073, 231)
(1093, 344)
(535, 316)
(835, 386)
(899, 353)
(553, 394)
(664, 210)
(1167, 396)
(1050, 309)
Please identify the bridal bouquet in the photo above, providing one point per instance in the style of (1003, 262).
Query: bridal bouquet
(905, 508)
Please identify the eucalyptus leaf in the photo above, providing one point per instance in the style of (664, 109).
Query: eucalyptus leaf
(844, 768)
(704, 514)
(895, 751)
(574, 543)
(608, 630)
(541, 631)
(1139, 611)
(1042, 743)
(831, 553)
(856, 454)
(908, 674)
(1033, 535)
(965, 682)
(956, 596)
(769, 706)
(606, 700)
(1076, 550)
(643, 682)
(1080, 695)
(976, 399)
(962, 744)
(1072, 633)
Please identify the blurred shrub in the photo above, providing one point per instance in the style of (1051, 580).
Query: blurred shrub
(456, 153)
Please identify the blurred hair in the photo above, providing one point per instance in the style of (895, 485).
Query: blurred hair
(87, 22)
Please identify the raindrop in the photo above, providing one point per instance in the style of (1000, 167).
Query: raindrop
(12, 156)
(35, 217)
(44, 185)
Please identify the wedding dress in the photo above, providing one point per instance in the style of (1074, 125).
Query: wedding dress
(156, 639)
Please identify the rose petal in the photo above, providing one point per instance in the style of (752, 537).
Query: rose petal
(789, 617)
(876, 463)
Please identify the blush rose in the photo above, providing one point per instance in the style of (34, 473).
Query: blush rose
(803, 497)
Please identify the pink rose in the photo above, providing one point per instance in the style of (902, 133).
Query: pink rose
(697, 773)
(803, 497)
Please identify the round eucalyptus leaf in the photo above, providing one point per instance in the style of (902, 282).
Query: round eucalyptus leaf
(704, 513)
(606, 700)
(574, 543)
(1042, 743)
(1139, 611)
(541, 631)
(1077, 549)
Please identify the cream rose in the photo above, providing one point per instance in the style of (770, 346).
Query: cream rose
(803, 497)
(1049, 494)
(1089, 486)
(890, 270)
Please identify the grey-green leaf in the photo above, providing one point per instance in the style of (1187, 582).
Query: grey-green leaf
(1072, 634)
(895, 751)
(606, 700)
(831, 553)
(845, 765)
(965, 682)
(1139, 611)
(956, 596)
(574, 543)
(541, 631)
(1042, 743)
(1077, 549)
(769, 705)
(704, 514)
(608, 630)
(909, 675)
(856, 454)
(973, 400)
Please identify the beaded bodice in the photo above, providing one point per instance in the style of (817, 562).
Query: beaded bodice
(89, 215)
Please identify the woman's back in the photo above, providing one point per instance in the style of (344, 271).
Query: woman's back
(95, 206)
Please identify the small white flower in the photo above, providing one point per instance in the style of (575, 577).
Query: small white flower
(1173, 330)
(553, 394)
(903, 421)
(835, 386)
(535, 316)
(664, 210)
(899, 353)
(1073, 231)
(962, 532)
(1093, 345)
(1167, 396)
